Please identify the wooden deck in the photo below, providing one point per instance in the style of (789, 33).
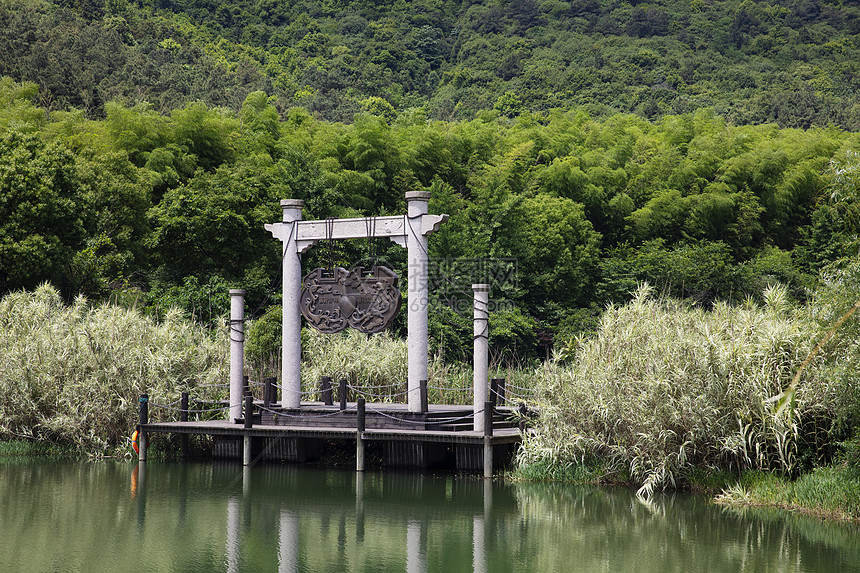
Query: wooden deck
(441, 438)
(224, 428)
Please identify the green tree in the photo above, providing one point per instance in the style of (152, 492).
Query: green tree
(41, 223)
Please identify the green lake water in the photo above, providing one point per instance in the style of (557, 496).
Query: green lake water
(161, 516)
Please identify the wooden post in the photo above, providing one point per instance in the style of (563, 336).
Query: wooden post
(501, 392)
(424, 405)
(246, 386)
(342, 393)
(359, 438)
(361, 417)
(523, 411)
(249, 422)
(488, 434)
(494, 389)
(249, 411)
(141, 433)
(268, 391)
(325, 391)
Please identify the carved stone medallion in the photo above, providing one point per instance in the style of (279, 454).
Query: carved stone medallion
(331, 301)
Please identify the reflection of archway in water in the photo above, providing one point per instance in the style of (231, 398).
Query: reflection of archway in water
(277, 521)
(393, 498)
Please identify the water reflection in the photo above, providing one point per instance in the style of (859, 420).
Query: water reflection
(288, 542)
(160, 516)
(416, 547)
(234, 510)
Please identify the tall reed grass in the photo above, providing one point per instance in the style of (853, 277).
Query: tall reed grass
(72, 374)
(374, 364)
(665, 387)
(377, 367)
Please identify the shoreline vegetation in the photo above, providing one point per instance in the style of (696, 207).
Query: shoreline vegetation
(665, 395)
(668, 395)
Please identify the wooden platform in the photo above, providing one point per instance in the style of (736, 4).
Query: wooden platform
(441, 438)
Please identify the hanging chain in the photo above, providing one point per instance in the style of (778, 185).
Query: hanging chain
(329, 233)
(370, 227)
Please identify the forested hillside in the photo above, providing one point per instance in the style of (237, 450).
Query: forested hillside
(581, 148)
(159, 209)
(792, 62)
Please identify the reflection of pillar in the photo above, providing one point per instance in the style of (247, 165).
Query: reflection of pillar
(359, 507)
(291, 326)
(138, 484)
(416, 550)
(482, 352)
(237, 349)
(233, 525)
(341, 536)
(418, 295)
(479, 548)
(183, 492)
(288, 542)
(488, 499)
(481, 531)
(246, 482)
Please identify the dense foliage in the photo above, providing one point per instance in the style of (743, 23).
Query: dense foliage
(793, 62)
(561, 212)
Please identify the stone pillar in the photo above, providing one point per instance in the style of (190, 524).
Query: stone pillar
(291, 328)
(418, 295)
(481, 360)
(237, 351)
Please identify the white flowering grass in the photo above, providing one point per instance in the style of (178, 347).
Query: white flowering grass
(665, 387)
(72, 374)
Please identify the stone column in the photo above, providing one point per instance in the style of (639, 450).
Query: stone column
(418, 295)
(291, 327)
(237, 351)
(481, 360)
